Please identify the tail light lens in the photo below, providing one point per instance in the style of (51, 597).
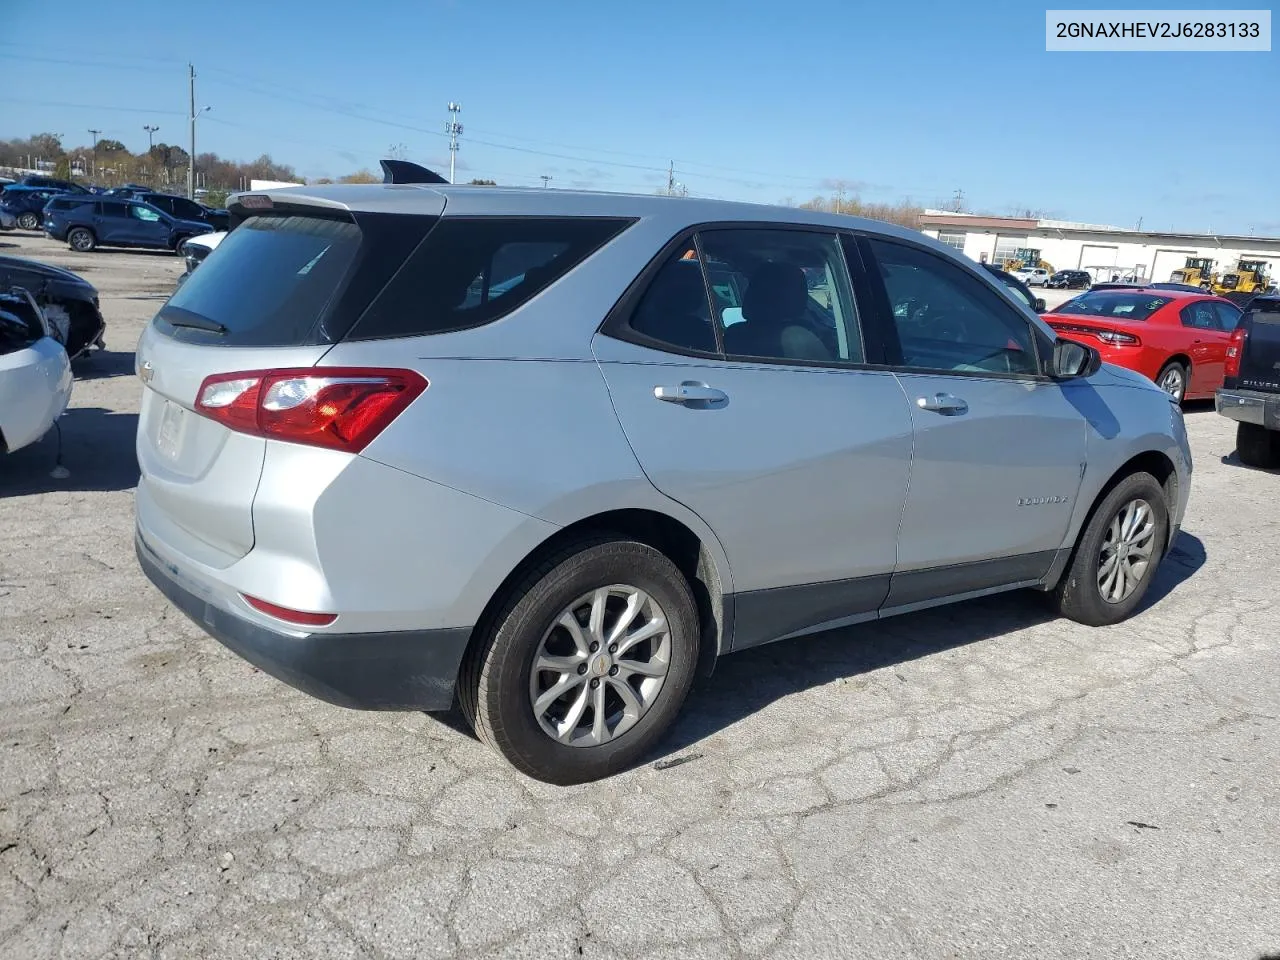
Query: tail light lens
(1235, 349)
(1118, 338)
(337, 408)
(299, 617)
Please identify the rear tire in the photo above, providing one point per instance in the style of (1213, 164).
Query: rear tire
(1172, 379)
(81, 239)
(499, 683)
(1088, 592)
(28, 221)
(1257, 446)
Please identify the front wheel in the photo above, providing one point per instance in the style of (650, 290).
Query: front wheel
(81, 239)
(28, 221)
(1257, 446)
(1116, 557)
(586, 665)
(1172, 379)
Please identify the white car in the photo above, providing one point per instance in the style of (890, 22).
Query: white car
(1033, 276)
(35, 372)
(197, 248)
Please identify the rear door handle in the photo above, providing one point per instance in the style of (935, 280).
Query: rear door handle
(690, 391)
(943, 403)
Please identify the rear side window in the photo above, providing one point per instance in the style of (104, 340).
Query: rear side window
(472, 271)
(271, 283)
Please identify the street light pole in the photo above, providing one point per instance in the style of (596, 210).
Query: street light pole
(191, 155)
(94, 134)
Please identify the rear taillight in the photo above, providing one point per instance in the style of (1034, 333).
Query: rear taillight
(1118, 338)
(1235, 349)
(338, 408)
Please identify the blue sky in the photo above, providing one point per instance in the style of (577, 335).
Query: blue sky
(752, 100)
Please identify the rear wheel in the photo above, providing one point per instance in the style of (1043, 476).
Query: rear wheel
(1257, 446)
(1172, 379)
(1116, 557)
(586, 665)
(82, 239)
(28, 221)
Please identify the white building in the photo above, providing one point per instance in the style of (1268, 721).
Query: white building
(1103, 251)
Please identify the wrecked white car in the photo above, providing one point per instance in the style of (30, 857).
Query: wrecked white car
(69, 302)
(35, 372)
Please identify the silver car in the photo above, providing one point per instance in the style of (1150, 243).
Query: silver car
(549, 454)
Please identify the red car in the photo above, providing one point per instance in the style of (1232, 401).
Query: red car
(1176, 338)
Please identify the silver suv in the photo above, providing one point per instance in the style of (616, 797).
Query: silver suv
(552, 453)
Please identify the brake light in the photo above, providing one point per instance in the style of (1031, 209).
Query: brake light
(300, 617)
(337, 408)
(1118, 338)
(1235, 350)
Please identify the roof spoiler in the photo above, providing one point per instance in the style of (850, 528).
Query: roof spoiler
(403, 171)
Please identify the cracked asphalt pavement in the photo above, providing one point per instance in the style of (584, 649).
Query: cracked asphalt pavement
(976, 781)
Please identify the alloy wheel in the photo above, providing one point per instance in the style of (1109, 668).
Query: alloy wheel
(1126, 551)
(600, 666)
(1173, 382)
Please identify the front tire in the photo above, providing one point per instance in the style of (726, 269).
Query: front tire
(1172, 379)
(1117, 554)
(1257, 446)
(28, 221)
(81, 239)
(587, 662)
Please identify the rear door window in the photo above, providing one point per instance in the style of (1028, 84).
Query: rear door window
(112, 208)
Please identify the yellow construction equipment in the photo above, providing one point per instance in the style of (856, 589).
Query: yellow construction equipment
(1198, 272)
(1249, 276)
(1026, 257)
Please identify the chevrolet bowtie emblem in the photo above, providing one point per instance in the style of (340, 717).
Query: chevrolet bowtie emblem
(146, 372)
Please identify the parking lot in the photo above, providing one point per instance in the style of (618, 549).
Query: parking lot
(973, 781)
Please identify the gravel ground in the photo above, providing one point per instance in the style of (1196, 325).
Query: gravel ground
(979, 781)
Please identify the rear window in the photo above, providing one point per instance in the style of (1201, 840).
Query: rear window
(473, 271)
(271, 284)
(1116, 304)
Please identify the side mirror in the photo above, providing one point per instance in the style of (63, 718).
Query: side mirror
(1071, 360)
(1038, 306)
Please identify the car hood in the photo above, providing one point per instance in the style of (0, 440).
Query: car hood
(31, 274)
(209, 240)
(197, 226)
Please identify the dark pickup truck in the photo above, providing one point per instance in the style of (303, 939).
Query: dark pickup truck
(1250, 392)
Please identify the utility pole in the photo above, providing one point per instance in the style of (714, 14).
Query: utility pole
(454, 129)
(840, 199)
(545, 178)
(94, 134)
(151, 136)
(957, 202)
(1139, 224)
(671, 178)
(191, 154)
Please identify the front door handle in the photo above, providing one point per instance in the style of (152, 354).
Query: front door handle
(690, 391)
(943, 403)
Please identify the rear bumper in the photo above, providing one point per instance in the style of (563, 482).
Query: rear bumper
(1246, 406)
(403, 670)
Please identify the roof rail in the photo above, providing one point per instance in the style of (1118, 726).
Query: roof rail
(403, 171)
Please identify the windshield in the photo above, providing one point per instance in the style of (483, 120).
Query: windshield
(1116, 304)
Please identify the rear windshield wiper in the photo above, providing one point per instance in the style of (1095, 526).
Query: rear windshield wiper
(177, 317)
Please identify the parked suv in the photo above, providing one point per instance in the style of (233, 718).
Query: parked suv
(26, 204)
(1070, 280)
(1250, 392)
(85, 222)
(401, 443)
(53, 183)
(1032, 276)
(184, 209)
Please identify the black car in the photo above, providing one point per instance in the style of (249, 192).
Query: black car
(1250, 391)
(1070, 280)
(184, 209)
(1020, 289)
(69, 302)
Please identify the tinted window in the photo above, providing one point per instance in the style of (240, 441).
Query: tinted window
(271, 283)
(1118, 304)
(1200, 315)
(782, 295)
(112, 208)
(473, 271)
(674, 309)
(187, 209)
(947, 319)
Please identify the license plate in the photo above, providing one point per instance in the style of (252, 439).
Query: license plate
(1271, 415)
(173, 422)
